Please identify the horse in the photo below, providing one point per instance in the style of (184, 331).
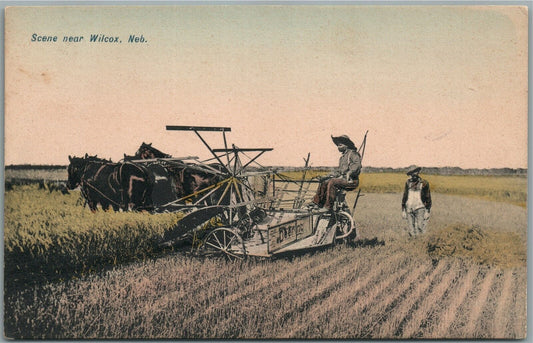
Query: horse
(163, 191)
(189, 178)
(174, 181)
(123, 186)
(192, 180)
(171, 181)
(146, 152)
(89, 173)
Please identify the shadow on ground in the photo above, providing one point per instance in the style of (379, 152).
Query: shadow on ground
(366, 243)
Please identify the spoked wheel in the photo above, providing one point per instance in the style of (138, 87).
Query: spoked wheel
(345, 226)
(226, 242)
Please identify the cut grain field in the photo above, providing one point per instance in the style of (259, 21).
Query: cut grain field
(466, 278)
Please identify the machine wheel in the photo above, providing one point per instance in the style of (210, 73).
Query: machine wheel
(345, 226)
(224, 241)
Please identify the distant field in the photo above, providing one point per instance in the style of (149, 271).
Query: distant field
(466, 278)
(511, 189)
(37, 174)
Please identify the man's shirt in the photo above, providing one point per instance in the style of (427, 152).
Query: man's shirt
(350, 164)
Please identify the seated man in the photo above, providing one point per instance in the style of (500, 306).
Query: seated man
(345, 177)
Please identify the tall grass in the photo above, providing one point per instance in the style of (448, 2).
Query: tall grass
(50, 233)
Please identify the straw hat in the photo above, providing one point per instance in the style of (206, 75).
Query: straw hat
(343, 139)
(413, 170)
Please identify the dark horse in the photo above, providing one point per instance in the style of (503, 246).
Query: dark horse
(190, 179)
(146, 152)
(124, 185)
(173, 181)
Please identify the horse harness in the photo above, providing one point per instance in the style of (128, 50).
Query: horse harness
(89, 183)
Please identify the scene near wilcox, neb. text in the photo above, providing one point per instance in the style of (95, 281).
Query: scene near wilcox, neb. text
(266, 172)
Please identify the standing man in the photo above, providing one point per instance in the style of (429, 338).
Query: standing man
(416, 202)
(345, 177)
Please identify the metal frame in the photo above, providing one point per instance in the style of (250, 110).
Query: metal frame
(237, 187)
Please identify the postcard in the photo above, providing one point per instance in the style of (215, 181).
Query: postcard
(266, 171)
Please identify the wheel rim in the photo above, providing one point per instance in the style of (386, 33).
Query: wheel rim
(345, 226)
(224, 241)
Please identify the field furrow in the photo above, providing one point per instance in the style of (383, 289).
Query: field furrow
(448, 313)
(518, 306)
(463, 313)
(243, 284)
(305, 292)
(501, 316)
(471, 328)
(378, 317)
(412, 302)
(175, 281)
(485, 325)
(391, 312)
(337, 302)
(424, 314)
(318, 295)
(361, 305)
(275, 286)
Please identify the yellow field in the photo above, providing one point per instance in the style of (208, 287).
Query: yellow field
(510, 189)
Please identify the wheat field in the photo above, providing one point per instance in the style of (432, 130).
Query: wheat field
(465, 278)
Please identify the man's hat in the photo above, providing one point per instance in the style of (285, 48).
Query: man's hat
(413, 170)
(344, 140)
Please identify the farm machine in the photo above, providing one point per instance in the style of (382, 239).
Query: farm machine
(234, 217)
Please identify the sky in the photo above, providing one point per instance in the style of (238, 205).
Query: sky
(433, 85)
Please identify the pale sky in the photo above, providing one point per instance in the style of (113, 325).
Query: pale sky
(433, 85)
